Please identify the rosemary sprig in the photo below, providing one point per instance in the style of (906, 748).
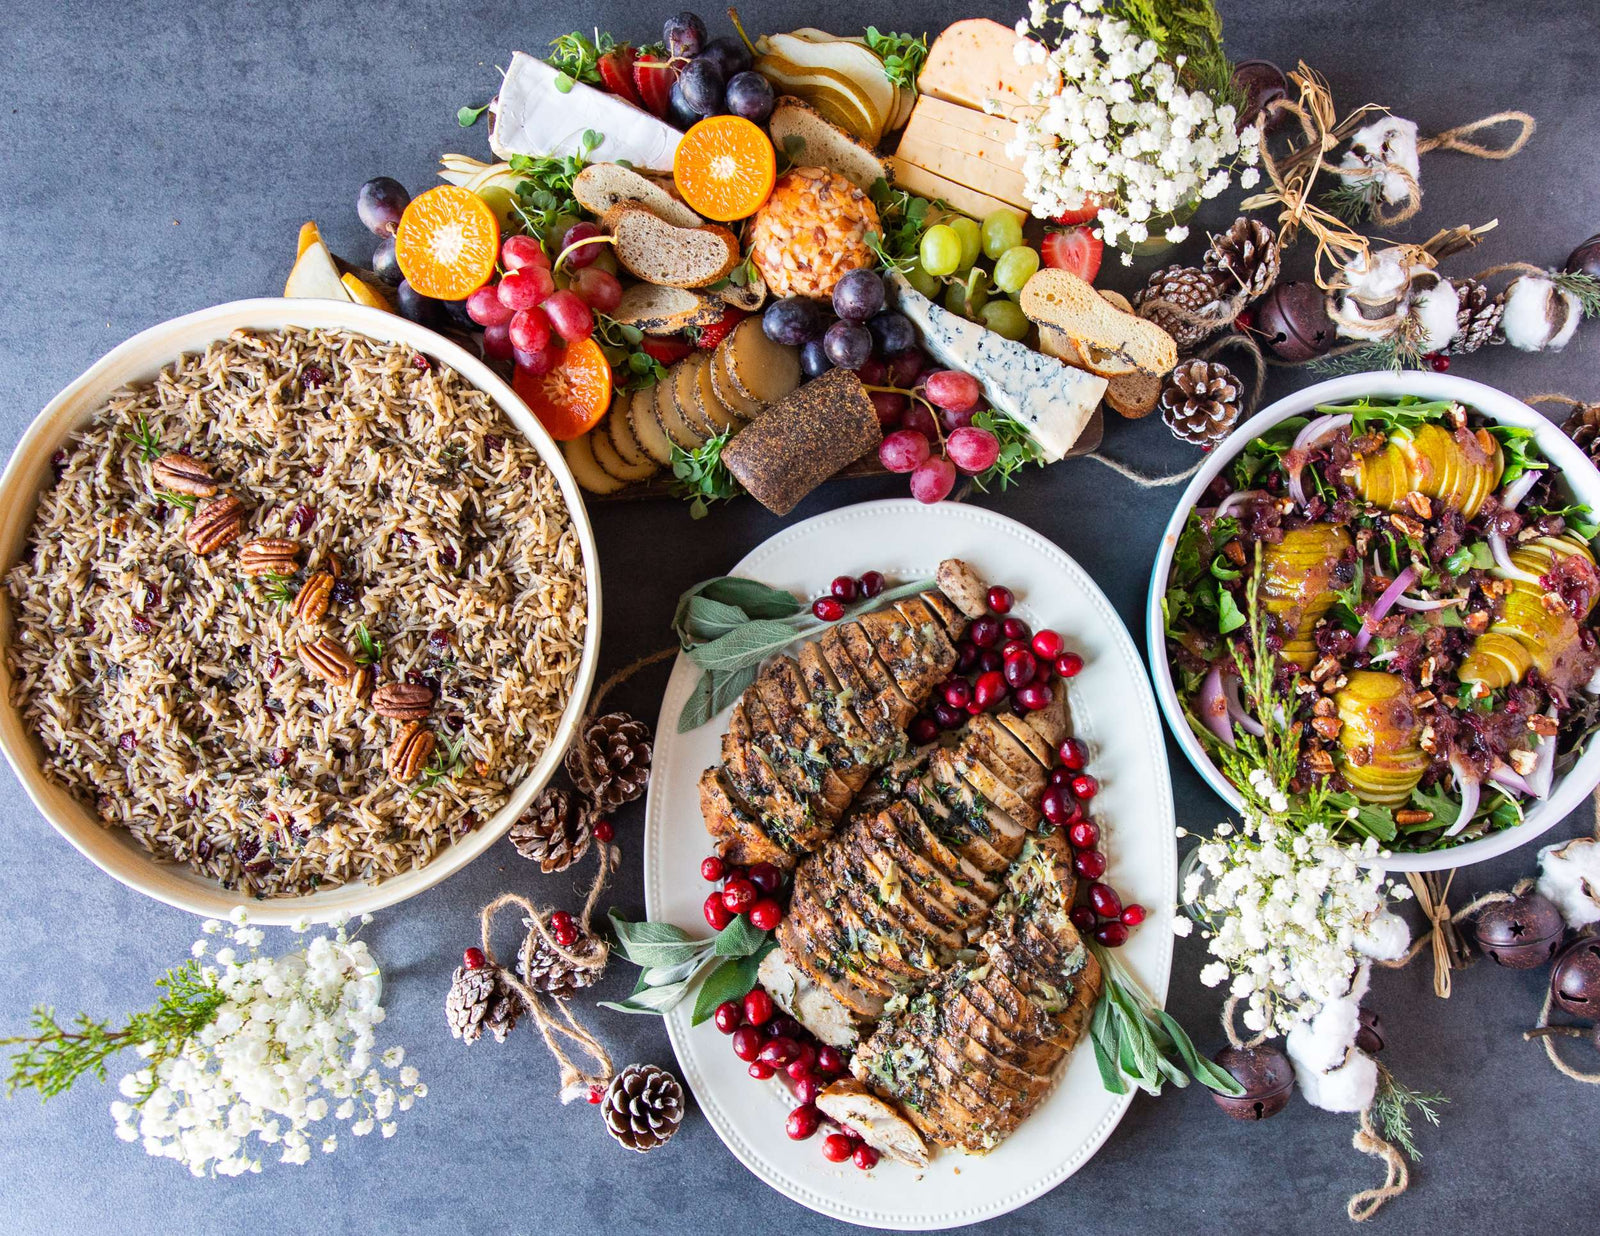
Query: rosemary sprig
(1392, 1108)
(146, 439)
(369, 650)
(187, 502)
(702, 477)
(279, 589)
(53, 1057)
(448, 761)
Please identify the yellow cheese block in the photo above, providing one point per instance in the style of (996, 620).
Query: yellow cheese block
(919, 180)
(973, 63)
(965, 146)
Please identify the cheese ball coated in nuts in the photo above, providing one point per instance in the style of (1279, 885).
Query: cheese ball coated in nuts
(811, 232)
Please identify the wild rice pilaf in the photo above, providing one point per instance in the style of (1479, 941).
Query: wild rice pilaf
(167, 683)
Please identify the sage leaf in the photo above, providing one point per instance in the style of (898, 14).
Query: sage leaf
(1206, 1072)
(706, 619)
(729, 981)
(738, 939)
(711, 694)
(652, 945)
(652, 1001)
(749, 645)
(756, 599)
(665, 976)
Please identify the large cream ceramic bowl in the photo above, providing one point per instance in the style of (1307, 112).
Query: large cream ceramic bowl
(140, 359)
(1580, 478)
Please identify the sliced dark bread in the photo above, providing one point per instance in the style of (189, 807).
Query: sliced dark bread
(659, 252)
(665, 311)
(603, 186)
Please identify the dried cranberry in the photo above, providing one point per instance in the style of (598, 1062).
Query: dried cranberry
(313, 376)
(316, 469)
(439, 640)
(275, 667)
(279, 757)
(152, 598)
(88, 626)
(492, 442)
(421, 362)
(142, 625)
(58, 461)
(301, 518)
(127, 740)
(525, 472)
(192, 800)
(344, 592)
(447, 556)
(247, 849)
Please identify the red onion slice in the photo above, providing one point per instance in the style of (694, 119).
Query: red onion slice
(1503, 563)
(1509, 778)
(1518, 489)
(1299, 452)
(1241, 718)
(1471, 789)
(1238, 499)
(1214, 706)
(1383, 605)
(1544, 766)
(1413, 603)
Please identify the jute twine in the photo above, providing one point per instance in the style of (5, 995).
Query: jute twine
(1547, 1035)
(1396, 1173)
(1386, 214)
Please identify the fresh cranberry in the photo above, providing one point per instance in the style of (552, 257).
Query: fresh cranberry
(1035, 696)
(957, 692)
(1069, 665)
(761, 1070)
(974, 708)
(985, 632)
(844, 588)
(712, 868)
(766, 877)
(924, 730)
(1132, 914)
(1112, 935)
(1061, 777)
(989, 690)
(966, 656)
(739, 894)
(1090, 864)
(947, 717)
(1083, 918)
(1105, 901)
(1055, 805)
(1015, 628)
(747, 1043)
(1085, 787)
(1020, 667)
(596, 1094)
(1084, 835)
(1001, 599)
(779, 1051)
(717, 914)
(473, 959)
(766, 914)
(563, 929)
(728, 1017)
(1440, 362)
(1013, 646)
(990, 661)
(837, 1147)
(1074, 754)
(807, 1088)
(803, 1064)
(803, 1121)
(604, 830)
(871, 583)
(829, 1059)
(828, 609)
(866, 1158)
(1048, 644)
(758, 1008)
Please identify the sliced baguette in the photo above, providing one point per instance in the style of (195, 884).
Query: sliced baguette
(646, 426)
(665, 311)
(579, 454)
(618, 427)
(660, 252)
(1109, 342)
(671, 418)
(823, 143)
(604, 186)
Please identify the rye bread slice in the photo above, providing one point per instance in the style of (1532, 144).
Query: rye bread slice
(659, 252)
(602, 186)
(665, 311)
(823, 143)
(1108, 341)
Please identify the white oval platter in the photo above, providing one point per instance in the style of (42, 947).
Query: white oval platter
(1113, 711)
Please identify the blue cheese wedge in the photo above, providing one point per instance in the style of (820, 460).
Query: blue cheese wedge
(533, 116)
(1053, 401)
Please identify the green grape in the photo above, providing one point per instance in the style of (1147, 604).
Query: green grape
(1001, 231)
(968, 297)
(1004, 318)
(923, 281)
(971, 240)
(940, 250)
(1014, 267)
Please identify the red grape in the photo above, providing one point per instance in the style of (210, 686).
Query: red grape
(918, 419)
(569, 315)
(585, 254)
(951, 389)
(889, 406)
(519, 251)
(486, 308)
(905, 450)
(537, 364)
(906, 367)
(525, 288)
(599, 289)
(957, 420)
(972, 450)
(933, 480)
(497, 342)
(530, 330)
(873, 372)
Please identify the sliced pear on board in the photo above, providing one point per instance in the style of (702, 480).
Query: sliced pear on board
(363, 293)
(308, 237)
(851, 61)
(834, 95)
(314, 275)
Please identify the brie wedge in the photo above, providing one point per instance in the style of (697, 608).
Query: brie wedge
(533, 116)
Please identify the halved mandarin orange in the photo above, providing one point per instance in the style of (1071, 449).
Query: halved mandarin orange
(574, 395)
(724, 168)
(447, 242)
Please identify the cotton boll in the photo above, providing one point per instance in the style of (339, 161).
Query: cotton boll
(1386, 938)
(1539, 316)
(1349, 1088)
(1327, 1039)
(1435, 310)
(1375, 286)
(1569, 875)
(1390, 141)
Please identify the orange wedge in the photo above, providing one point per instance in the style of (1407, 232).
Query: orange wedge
(724, 168)
(447, 242)
(570, 399)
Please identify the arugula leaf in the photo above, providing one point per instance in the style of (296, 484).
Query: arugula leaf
(544, 192)
(466, 117)
(1229, 616)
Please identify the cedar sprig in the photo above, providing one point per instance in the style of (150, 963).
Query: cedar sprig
(1353, 200)
(1392, 1108)
(53, 1057)
(1585, 287)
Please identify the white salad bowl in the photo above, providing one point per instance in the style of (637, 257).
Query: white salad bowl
(1580, 476)
(140, 359)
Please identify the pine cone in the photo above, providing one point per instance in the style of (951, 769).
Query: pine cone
(1201, 401)
(1195, 294)
(1245, 257)
(1583, 427)
(543, 969)
(1478, 318)
(643, 1106)
(479, 1001)
(610, 761)
(554, 832)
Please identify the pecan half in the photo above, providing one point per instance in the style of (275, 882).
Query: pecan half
(360, 683)
(216, 523)
(1542, 725)
(1318, 762)
(311, 602)
(184, 474)
(410, 751)
(1328, 727)
(1412, 815)
(328, 660)
(269, 556)
(1419, 504)
(403, 701)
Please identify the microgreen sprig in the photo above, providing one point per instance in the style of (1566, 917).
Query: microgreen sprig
(576, 58)
(702, 477)
(902, 54)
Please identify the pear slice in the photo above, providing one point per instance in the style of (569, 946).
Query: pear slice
(832, 94)
(314, 275)
(363, 293)
(851, 61)
(308, 237)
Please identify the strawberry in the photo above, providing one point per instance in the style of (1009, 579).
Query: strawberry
(1077, 249)
(1085, 213)
(714, 333)
(616, 73)
(653, 79)
(667, 351)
